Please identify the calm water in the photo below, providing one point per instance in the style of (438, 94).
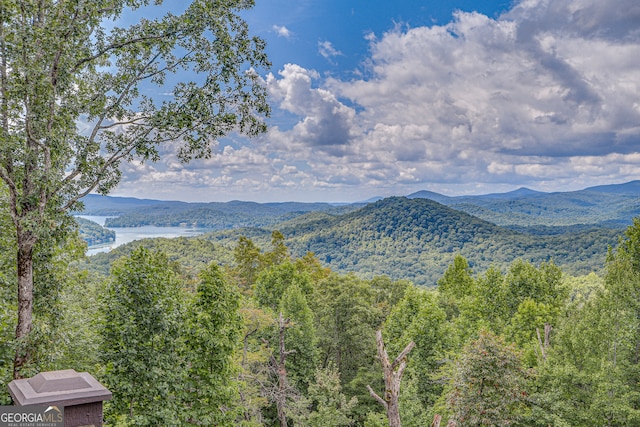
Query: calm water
(129, 234)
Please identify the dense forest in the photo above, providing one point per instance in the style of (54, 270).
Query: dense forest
(604, 206)
(244, 332)
(414, 239)
(93, 233)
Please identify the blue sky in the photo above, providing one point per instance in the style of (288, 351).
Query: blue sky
(379, 98)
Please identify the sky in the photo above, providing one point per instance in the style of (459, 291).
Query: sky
(379, 98)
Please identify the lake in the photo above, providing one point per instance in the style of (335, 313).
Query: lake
(129, 234)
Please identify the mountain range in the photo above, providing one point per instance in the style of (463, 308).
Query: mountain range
(416, 237)
(605, 205)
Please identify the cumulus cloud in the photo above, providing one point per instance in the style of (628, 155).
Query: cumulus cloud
(326, 123)
(522, 98)
(546, 95)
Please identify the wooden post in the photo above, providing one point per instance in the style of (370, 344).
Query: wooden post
(392, 372)
(80, 394)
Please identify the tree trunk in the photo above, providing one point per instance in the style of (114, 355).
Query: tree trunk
(26, 242)
(392, 376)
(279, 365)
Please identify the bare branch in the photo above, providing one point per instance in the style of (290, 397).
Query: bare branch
(378, 398)
(402, 356)
(134, 121)
(125, 92)
(170, 67)
(382, 352)
(392, 373)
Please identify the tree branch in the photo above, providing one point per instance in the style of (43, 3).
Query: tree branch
(382, 352)
(115, 157)
(378, 398)
(401, 357)
(120, 45)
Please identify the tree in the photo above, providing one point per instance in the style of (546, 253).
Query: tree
(272, 283)
(487, 307)
(347, 319)
(142, 340)
(525, 328)
(331, 408)
(62, 63)
(456, 282)
(279, 251)
(388, 293)
(248, 260)
(213, 334)
(487, 386)
(255, 372)
(542, 285)
(282, 394)
(300, 338)
(418, 318)
(455, 286)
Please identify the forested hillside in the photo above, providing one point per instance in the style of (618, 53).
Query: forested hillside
(130, 212)
(278, 325)
(416, 239)
(609, 206)
(93, 233)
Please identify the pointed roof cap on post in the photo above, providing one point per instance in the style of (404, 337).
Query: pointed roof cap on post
(63, 388)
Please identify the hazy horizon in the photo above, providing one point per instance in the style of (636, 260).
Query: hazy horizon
(364, 199)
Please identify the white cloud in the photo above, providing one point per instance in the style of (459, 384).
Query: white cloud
(504, 100)
(282, 31)
(326, 49)
(545, 95)
(326, 123)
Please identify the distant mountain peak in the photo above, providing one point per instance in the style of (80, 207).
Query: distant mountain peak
(631, 187)
(371, 199)
(426, 194)
(520, 192)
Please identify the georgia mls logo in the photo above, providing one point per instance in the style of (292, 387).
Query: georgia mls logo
(31, 416)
